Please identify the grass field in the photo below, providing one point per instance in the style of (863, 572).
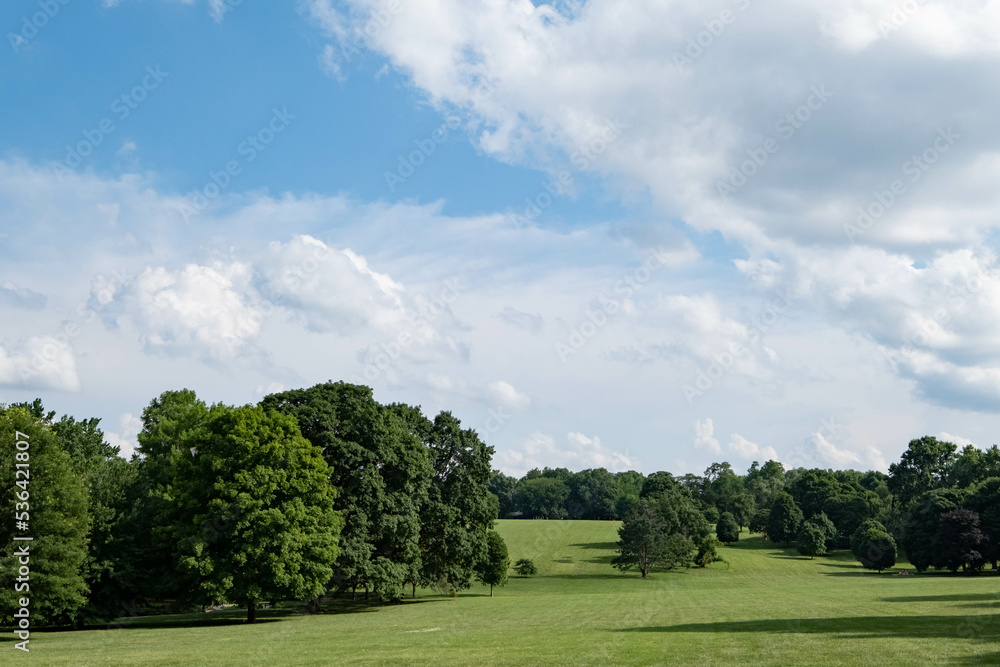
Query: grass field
(769, 607)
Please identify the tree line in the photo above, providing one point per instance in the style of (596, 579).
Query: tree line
(324, 490)
(312, 491)
(940, 506)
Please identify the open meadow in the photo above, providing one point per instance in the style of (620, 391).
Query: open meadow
(770, 606)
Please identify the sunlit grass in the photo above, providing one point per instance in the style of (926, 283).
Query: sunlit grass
(767, 606)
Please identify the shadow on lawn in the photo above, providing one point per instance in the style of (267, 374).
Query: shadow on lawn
(231, 617)
(955, 597)
(980, 628)
(608, 546)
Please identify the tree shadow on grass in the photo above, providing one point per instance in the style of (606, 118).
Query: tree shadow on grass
(954, 597)
(978, 628)
(608, 546)
(230, 617)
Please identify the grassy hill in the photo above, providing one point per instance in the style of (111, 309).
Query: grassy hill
(767, 607)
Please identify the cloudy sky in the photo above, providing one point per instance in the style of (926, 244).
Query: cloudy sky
(645, 234)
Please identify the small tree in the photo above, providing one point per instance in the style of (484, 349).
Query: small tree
(811, 540)
(525, 567)
(493, 568)
(726, 530)
(823, 521)
(642, 542)
(708, 552)
(873, 546)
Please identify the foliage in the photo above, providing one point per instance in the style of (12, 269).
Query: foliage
(958, 542)
(811, 540)
(784, 520)
(758, 524)
(828, 528)
(922, 467)
(255, 510)
(53, 500)
(727, 531)
(711, 514)
(642, 540)
(525, 567)
(921, 523)
(492, 569)
(503, 487)
(542, 498)
(459, 508)
(382, 472)
(708, 552)
(873, 546)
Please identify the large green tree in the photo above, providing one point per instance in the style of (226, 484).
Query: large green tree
(984, 498)
(958, 542)
(382, 471)
(922, 467)
(459, 509)
(109, 480)
(921, 521)
(256, 518)
(784, 520)
(51, 499)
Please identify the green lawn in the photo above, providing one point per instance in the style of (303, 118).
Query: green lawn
(769, 607)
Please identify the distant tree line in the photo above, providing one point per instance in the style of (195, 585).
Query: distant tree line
(939, 506)
(313, 491)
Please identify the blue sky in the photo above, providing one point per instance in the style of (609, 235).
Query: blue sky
(639, 234)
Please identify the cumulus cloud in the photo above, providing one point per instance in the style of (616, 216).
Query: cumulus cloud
(201, 311)
(580, 452)
(830, 454)
(956, 439)
(751, 450)
(39, 363)
(331, 289)
(540, 85)
(505, 395)
(704, 431)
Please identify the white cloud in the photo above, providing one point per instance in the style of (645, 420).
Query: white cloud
(331, 289)
(202, 311)
(42, 362)
(956, 439)
(829, 454)
(751, 450)
(15, 296)
(125, 438)
(540, 450)
(704, 436)
(505, 395)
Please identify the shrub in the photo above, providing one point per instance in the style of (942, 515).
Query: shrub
(525, 567)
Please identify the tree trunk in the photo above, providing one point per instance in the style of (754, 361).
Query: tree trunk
(491, 590)
(251, 612)
(414, 584)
